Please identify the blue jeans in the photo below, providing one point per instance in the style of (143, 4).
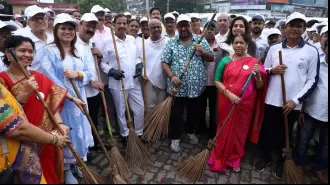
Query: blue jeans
(305, 134)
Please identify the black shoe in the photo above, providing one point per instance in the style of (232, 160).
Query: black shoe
(95, 148)
(124, 141)
(279, 172)
(261, 165)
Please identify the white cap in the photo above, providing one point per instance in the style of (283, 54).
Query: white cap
(88, 17)
(144, 19)
(324, 23)
(295, 16)
(49, 10)
(10, 27)
(183, 17)
(107, 10)
(175, 12)
(33, 10)
(324, 30)
(195, 15)
(133, 17)
(97, 8)
(127, 14)
(18, 16)
(314, 27)
(273, 31)
(64, 18)
(169, 15)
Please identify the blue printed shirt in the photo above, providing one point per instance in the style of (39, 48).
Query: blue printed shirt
(176, 56)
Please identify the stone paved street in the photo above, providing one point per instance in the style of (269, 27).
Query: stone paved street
(163, 172)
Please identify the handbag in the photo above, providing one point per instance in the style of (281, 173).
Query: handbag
(7, 176)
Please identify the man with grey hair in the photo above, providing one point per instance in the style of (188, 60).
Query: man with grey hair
(154, 47)
(223, 22)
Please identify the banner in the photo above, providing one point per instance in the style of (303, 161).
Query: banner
(278, 1)
(248, 4)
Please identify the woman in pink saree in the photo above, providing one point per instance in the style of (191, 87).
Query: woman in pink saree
(231, 75)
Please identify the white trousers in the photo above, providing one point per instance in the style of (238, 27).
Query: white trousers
(135, 101)
(155, 96)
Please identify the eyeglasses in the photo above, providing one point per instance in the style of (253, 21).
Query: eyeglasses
(38, 18)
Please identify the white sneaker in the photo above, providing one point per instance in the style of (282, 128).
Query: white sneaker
(192, 139)
(175, 146)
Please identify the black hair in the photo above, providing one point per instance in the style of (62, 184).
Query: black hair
(58, 44)
(212, 24)
(13, 42)
(326, 43)
(153, 9)
(311, 23)
(247, 29)
(132, 20)
(232, 16)
(246, 38)
(119, 16)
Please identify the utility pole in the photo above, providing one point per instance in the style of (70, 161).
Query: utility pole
(147, 8)
(168, 6)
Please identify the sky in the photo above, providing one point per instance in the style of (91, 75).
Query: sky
(46, 1)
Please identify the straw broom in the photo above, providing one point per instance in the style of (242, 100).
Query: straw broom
(291, 172)
(136, 154)
(91, 177)
(107, 156)
(193, 169)
(117, 163)
(156, 123)
(145, 86)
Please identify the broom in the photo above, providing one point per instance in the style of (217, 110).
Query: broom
(136, 154)
(156, 123)
(145, 86)
(193, 169)
(117, 163)
(93, 126)
(88, 174)
(291, 172)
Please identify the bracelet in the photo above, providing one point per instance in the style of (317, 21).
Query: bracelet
(56, 138)
(61, 123)
(21, 103)
(172, 76)
(53, 138)
(223, 91)
(71, 99)
(80, 75)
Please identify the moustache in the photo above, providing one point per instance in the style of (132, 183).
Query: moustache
(89, 32)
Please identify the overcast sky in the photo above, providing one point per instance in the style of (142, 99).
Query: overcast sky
(46, 1)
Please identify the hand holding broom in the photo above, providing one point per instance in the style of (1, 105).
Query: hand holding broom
(90, 176)
(291, 172)
(117, 163)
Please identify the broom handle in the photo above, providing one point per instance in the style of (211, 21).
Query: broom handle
(91, 122)
(52, 118)
(145, 86)
(233, 108)
(286, 121)
(194, 51)
(105, 108)
(122, 81)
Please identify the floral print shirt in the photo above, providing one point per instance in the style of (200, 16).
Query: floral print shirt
(176, 56)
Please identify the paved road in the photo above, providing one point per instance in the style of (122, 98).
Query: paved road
(164, 161)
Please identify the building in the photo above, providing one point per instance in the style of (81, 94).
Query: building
(221, 6)
(18, 6)
(136, 6)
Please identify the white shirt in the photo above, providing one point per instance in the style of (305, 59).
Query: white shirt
(50, 35)
(128, 56)
(99, 39)
(3, 67)
(300, 77)
(89, 58)
(318, 104)
(262, 44)
(221, 38)
(39, 47)
(154, 51)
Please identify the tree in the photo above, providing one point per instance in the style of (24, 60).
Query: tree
(181, 6)
(113, 5)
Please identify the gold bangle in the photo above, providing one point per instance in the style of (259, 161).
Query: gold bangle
(80, 75)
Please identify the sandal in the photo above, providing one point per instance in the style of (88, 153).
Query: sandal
(237, 170)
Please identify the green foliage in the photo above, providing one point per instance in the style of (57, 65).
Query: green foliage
(181, 6)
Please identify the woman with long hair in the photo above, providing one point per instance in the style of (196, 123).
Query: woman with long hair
(23, 89)
(231, 75)
(240, 26)
(63, 63)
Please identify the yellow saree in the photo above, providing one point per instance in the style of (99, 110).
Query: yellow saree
(22, 155)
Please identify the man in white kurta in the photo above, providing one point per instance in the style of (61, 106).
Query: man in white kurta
(131, 70)
(154, 47)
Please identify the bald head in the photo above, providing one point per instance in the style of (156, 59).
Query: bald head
(155, 27)
(223, 22)
(154, 22)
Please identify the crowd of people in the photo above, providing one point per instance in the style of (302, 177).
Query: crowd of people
(59, 50)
